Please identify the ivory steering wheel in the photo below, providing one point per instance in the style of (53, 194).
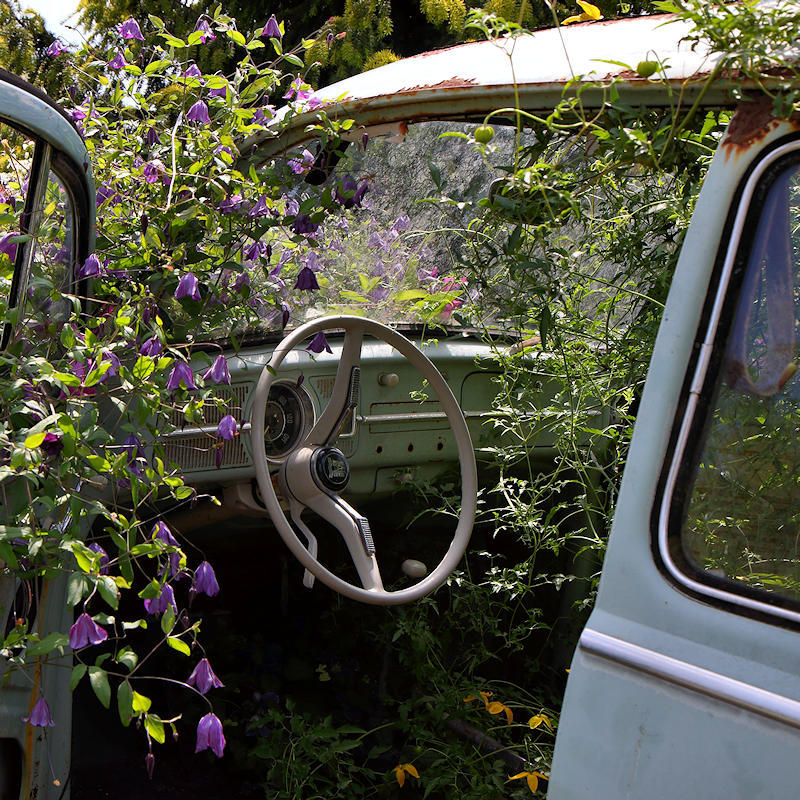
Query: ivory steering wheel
(315, 472)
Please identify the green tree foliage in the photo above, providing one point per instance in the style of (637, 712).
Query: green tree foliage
(24, 40)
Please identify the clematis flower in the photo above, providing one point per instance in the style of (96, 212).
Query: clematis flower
(162, 532)
(306, 280)
(106, 193)
(205, 581)
(272, 29)
(193, 72)
(218, 371)
(52, 445)
(130, 30)
(300, 166)
(85, 631)
(203, 677)
(348, 193)
(260, 209)
(531, 777)
(118, 62)
(187, 287)
(401, 770)
(227, 428)
(158, 605)
(319, 343)
(104, 559)
(199, 113)
(40, 715)
(296, 90)
(7, 247)
(91, 267)
(55, 49)
(221, 91)
(304, 224)
(210, 736)
(181, 374)
(152, 137)
(230, 204)
(153, 170)
(207, 35)
(152, 347)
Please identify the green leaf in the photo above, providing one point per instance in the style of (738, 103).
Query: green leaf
(98, 677)
(296, 60)
(78, 586)
(168, 620)
(48, 644)
(99, 464)
(237, 37)
(125, 703)
(172, 41)
(178, 644)
(354, 296)
(411, 294)
(78, 671)
(141, 703)
(127, 658)
(156, 66)
(154, 727)
(107, 587)
(34, 440)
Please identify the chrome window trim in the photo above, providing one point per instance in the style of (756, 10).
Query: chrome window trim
(689, 676)
(698, 380)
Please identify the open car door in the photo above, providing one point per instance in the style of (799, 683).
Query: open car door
(46, 231)
(686, 681)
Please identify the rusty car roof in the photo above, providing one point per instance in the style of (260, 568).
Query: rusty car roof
(473, 78)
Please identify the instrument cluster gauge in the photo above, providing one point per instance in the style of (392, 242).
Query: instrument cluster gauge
(288, 418)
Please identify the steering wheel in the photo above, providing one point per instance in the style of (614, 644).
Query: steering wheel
(315, 472)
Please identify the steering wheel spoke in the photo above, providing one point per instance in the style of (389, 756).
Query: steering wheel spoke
(346, 389)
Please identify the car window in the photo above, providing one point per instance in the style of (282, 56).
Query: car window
(743, 521)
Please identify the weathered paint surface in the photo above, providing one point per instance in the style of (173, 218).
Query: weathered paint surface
(752, 121)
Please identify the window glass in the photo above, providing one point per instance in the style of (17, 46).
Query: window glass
(743, 519)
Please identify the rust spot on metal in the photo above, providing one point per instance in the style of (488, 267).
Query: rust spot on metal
(449, 83)
(752, 121)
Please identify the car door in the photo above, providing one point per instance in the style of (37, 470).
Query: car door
(46, 232)
(686, 679)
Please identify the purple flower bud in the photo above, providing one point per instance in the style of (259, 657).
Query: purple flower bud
(199, 113)
(152, 137)
(7, 247)
(152, 347)
(187, 287)
(149, 764)
(303, 224)
(91, 267)
(85, 631)
(205, 581)
(364, 140)
(104, 559)
(52, 445)
(153, 170)
(181, 374)
(319, 343)
(329, 39)
(158, 605)
(55, 49)
(272, 29)
(205, 29)
(130, 30)
(209, 735)
(118, 62)
(203, 677)
(218, 371)
(306, 280)
(162, 532)
(227, 427)
(285, 313)
(40, 716)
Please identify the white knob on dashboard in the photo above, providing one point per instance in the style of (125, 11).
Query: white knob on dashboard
(414, 568)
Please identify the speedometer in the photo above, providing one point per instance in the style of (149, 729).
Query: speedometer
(287, 417)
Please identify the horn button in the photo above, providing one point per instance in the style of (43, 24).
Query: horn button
(330, 469)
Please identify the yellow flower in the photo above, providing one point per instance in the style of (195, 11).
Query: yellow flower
(496, 707)
(531, 777)
(589, 12)
(400, 772)
(484, 695)
(538, 719)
